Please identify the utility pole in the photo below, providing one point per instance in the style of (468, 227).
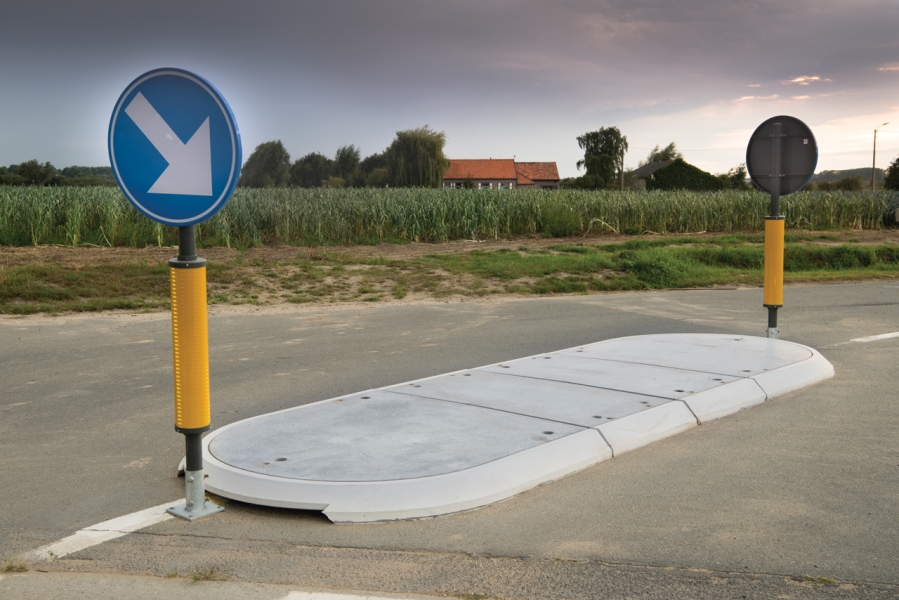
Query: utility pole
(874, 161)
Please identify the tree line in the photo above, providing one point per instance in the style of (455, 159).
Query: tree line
(603, 163)
(414, 159)
(33, 172)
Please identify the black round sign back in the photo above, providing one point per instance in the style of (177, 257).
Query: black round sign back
(798, 155)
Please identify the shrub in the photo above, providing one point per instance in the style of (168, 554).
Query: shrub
(559, 220)
(681, 175)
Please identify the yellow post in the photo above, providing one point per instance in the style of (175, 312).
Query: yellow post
(190, 349)
(190, 354)
(774, 262)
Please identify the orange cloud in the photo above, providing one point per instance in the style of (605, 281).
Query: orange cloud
(804, 80)
(771, 97)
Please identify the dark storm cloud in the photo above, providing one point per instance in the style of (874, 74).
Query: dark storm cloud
(334, 70)
(415, 43)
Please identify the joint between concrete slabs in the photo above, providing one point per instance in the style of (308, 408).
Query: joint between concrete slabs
(605, 440)
(698, 421)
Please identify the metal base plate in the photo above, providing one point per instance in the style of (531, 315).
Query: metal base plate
(181, 510)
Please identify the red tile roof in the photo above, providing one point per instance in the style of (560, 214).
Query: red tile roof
(486, 168)
(528, 172)
(522, 180)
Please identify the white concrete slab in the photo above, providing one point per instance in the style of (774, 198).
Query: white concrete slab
(662, 382)
(734, 355)
(790, 378)
(379, 436)
(726, 400)
(455, 491)
(645, 427)
(463, 440)
(554, 400)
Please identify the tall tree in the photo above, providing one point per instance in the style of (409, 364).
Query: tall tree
(415, 158)
(311, 170)
(373, 170)
(669, 152)
(372, 162)
(346, 162)
(891, 181)
(604, 152)
(268, 166)
(735, 178)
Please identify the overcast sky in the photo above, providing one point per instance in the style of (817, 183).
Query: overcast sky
(501, 78)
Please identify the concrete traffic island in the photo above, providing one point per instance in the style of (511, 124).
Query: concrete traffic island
(467, 439)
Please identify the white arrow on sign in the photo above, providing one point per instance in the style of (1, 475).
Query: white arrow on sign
(190, 165)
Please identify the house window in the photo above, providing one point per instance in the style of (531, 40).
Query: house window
(484, 185)
(505, 185)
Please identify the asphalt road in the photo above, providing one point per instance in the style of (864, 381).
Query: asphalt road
(758, 504)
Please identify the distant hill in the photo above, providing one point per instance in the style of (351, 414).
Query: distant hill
(864, 173)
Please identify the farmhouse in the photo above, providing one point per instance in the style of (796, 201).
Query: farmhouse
(501, 173)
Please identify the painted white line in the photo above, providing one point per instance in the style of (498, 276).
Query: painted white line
(105, 531)
(874, 338)
(329, 596)
(870, 338)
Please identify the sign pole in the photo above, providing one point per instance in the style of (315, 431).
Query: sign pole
(774, 239)
(781, 158)
(190, 353)
(180, 184)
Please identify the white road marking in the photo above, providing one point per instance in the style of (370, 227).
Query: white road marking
(870, 338)
(329, 596)
(874, 338)
(12, 405)
(105, 531)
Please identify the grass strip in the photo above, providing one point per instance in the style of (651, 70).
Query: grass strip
(662, 263)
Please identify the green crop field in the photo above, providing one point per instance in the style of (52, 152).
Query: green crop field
(102, 216)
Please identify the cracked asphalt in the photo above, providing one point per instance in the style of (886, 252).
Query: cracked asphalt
(794, 498)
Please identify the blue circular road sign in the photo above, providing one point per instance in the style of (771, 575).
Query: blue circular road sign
(174, 147)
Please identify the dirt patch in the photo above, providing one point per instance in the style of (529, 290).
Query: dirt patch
(57, 279)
